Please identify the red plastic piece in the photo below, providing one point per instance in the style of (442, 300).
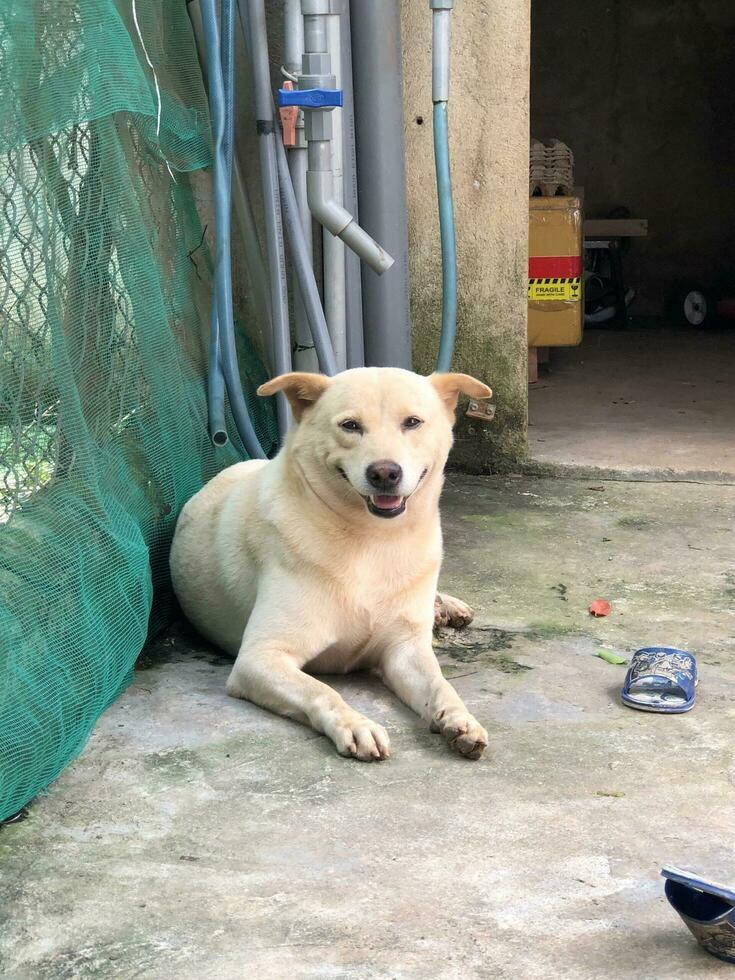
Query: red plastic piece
(600, 607)
(289, 117)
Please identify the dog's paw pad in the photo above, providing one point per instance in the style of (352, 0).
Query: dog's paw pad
(449, 611)
(360, 738)
(463, 733)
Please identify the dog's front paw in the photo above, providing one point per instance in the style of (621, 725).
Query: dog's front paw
(463, 733)
(449, 611)
(356, 737)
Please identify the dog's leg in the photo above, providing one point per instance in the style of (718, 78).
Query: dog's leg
(449, 611)
(411, 670)
(272, 678)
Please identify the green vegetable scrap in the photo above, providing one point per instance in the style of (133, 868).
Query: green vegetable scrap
(611, 658)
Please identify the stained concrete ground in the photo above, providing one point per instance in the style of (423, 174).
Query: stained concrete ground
(650, 397)
(199, 837)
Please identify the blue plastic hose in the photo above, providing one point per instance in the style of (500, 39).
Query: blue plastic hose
(448, 237)
(216, 385)
(216, 381)
(223, 353)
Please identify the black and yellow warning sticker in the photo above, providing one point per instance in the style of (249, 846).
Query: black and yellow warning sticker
(567, 290)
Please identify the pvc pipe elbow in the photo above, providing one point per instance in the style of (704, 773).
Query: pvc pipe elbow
(340, 222)
(319, 189)
(357, 239)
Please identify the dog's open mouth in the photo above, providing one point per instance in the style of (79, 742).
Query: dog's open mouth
(385, 505)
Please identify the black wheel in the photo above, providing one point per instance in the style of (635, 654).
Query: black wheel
(691, 304)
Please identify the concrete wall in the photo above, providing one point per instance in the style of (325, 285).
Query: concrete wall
(489, 147)
(641, 91)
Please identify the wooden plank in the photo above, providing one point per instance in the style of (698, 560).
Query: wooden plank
(532, 365)
(616, 227)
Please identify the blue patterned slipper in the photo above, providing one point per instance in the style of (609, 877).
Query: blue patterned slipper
(707, 909)
(661, 679)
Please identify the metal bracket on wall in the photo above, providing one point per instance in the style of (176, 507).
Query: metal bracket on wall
(484, 411)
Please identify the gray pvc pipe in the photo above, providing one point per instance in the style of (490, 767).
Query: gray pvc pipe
(315, 33)
(333, 249)
(304, 355)
(303, 268)
(253, 20)
(293, 35)
(353, 274)
(257, 43)
(319, 177)
(304, 351)
(377, 79)
(440, 48)
(319, 193)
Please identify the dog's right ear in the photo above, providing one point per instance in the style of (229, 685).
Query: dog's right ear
(449, 387)
(301, 389)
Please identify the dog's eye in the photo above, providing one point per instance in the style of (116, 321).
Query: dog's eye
(350, 425)
(412, 422)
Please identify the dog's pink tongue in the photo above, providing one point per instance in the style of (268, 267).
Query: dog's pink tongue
(386, 502)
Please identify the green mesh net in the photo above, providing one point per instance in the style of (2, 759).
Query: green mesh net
(105, 286)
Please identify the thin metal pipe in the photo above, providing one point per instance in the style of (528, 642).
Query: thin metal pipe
(253, 20)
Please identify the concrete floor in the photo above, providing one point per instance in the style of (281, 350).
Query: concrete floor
(199, 837)
(641, 399)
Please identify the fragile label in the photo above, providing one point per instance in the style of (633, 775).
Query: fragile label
(567, 290)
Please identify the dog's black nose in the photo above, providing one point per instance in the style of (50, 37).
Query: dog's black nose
(384, 474)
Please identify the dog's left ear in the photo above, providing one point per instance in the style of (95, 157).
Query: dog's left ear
(301, 388)
(449, 387)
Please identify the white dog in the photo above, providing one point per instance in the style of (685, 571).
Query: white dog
(326, 558)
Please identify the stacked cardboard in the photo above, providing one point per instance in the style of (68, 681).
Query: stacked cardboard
(551, 169)
(555, 306)
(555, 243)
